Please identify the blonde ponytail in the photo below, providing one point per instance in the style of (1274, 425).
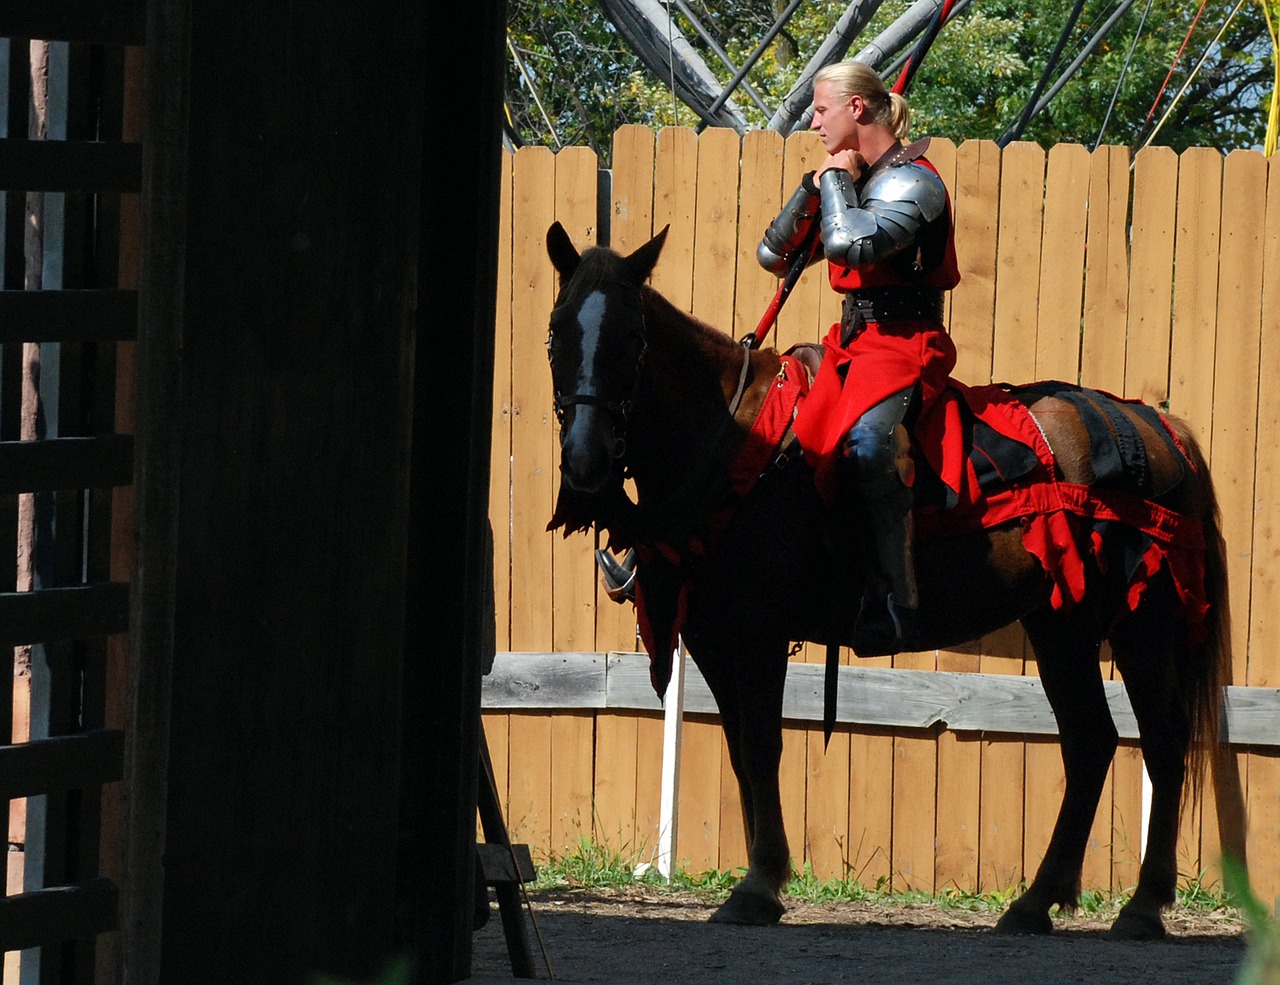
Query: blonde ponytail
(852, 78)
(899, 121)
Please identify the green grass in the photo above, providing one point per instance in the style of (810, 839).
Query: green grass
(593, 866)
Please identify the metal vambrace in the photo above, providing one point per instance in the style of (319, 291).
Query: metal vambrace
(894, 206)
(786, 234)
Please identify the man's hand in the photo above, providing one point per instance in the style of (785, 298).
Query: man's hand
(845, 160)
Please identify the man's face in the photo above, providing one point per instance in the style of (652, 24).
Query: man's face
(836, 119)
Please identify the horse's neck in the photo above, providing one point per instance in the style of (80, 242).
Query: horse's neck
(684, 434)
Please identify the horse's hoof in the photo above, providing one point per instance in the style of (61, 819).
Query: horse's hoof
(1025, 920)
(750, 909)
(1137, 925)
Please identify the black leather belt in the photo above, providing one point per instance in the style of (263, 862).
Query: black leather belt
(887, 304)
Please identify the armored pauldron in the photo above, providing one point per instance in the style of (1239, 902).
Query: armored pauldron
(860, 228)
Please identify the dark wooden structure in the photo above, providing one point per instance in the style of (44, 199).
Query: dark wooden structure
(270, 199)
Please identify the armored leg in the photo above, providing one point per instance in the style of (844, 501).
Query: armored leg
(879, 474)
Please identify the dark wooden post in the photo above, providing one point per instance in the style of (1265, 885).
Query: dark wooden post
(276, 359)
(450, 574)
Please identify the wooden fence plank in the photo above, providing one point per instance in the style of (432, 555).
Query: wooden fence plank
(1155, 182)
(675, 203)
(1195, 288)
(1234, 427)
(533, 481)
(1001, 832)
(975, 188)
(715, 258)
(1102, 356)
(1146, 365)
(715, 272)
(1057, 356)
(762, 197)
(1194, 330)
(625, 741)
(573, 567)
(1235, 415)
(574, 574)
(495, 726)
(1264, 631)
(500, 441)
(1106, 285)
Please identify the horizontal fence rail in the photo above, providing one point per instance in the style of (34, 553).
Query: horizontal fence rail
(107, 315)
(866, 696)
(70, 166)
(101, 462)
(122, 23)
(64, 762)
(59, 913)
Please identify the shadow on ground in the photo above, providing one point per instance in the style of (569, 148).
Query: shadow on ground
(653, 940)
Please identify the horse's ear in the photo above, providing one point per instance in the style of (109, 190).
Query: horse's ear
(564, 256)
(643, 260)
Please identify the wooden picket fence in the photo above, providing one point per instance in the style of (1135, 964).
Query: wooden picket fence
(1154, 278)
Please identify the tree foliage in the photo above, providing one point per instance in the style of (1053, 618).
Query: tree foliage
(1176, 72)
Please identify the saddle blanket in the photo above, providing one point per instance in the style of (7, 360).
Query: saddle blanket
(983, 462)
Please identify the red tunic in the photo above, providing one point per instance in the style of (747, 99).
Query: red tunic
(883, 359)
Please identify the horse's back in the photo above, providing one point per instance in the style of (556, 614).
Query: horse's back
(1103, 441)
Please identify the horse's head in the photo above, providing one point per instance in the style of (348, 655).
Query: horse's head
(596, 345)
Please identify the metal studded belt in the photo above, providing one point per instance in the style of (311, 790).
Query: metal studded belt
(887, 304)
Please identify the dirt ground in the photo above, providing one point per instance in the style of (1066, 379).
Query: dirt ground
(637, 936)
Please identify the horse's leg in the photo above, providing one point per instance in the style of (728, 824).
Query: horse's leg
(755, 751)
(1145, 646)
(747, 687)
(717, 672)
(1066, 648)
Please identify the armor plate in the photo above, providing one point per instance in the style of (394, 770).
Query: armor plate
(867, 227)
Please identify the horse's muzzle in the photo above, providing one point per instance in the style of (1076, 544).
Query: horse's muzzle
(590, 450)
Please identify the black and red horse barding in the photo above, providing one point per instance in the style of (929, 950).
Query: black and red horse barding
(1081, 516)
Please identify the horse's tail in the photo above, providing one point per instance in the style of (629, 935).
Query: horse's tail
(1205, 669)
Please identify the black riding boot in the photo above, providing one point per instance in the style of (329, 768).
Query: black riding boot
(888, 621)
(879, 470)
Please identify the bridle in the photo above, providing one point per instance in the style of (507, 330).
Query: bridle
(620, 410)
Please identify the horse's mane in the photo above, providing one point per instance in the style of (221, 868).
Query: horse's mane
(703, 332)
(600, 266)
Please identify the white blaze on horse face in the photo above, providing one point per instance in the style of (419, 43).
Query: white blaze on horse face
(587, 445)
(591, 320)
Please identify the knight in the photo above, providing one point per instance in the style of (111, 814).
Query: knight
(880, 216)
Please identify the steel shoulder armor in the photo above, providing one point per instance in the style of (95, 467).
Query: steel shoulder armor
(786, 234)
(884, 219)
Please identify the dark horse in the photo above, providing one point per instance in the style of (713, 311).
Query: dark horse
(646, 391)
